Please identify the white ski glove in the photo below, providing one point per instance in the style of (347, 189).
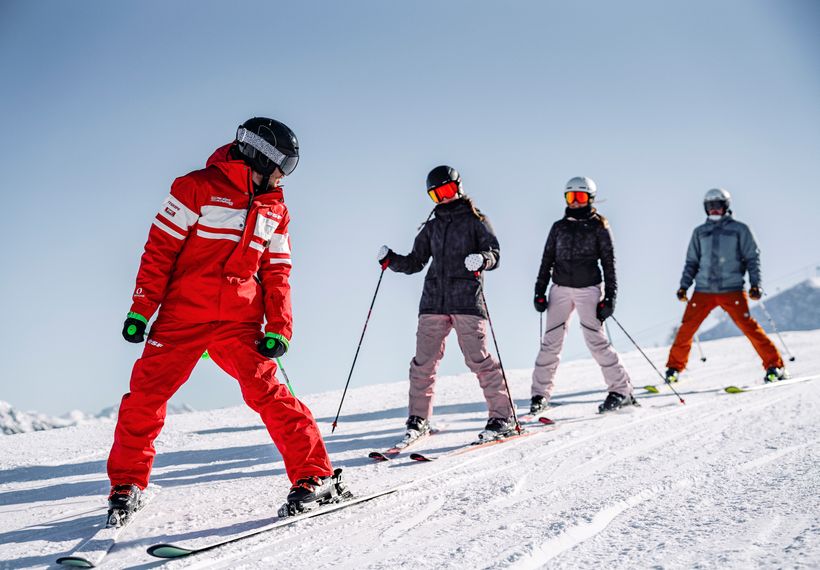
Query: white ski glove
(384, 251)
(475, 262)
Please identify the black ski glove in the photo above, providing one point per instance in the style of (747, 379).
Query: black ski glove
(605, 309)
(134, 328)
(682, 295)
(755, 293)
(273, 345)
(540, 303)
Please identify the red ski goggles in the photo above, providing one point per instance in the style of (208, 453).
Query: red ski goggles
(580, 197)
(444, 192)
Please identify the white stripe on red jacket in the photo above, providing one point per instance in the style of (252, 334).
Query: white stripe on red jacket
(216, 252)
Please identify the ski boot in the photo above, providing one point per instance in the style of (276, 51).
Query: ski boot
(496, 428)
(775, 374)
(309, 493)
(671, 375)
(615, 401)
(417, 426)
(123, 501)
(538, 404)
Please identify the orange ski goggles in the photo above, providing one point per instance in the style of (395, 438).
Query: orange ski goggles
(580, 197)
(444, 192)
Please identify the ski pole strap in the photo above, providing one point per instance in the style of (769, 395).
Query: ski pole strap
(285, 374)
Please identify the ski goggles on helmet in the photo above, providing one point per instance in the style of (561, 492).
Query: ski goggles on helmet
(443, 192)
(576, 196)
(267, 156)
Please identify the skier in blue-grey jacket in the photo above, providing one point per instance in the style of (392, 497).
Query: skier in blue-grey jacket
(721, 252)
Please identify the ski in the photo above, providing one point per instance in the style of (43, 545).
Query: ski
(530, 418)
(544, 423)
(400, 447)
(742, 389)
(91, 552)
(182, 550)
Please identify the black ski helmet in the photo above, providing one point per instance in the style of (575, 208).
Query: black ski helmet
(441, 175)
(265, 144)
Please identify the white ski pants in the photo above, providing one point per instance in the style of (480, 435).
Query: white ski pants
(562, 302)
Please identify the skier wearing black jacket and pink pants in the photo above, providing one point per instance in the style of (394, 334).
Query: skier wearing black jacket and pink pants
(576, 245)
(462, 245)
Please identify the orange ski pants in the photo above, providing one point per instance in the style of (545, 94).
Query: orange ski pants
(737, 305)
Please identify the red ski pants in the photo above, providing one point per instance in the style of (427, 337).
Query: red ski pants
(171, 352)
(737, 305)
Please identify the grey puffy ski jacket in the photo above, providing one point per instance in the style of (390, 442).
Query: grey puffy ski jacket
(572, 252)
(454, 233)
(720, 253)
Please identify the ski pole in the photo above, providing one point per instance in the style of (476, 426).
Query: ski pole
(367, 320)
(792, 358)
(285, 374)
(495, 342)
(700, 350)
(540, 327)
(668, 383)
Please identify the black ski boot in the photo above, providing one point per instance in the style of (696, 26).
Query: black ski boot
(123, 501)
(311, 492)
(671, 375)
(497, 428)
(538, 404)
(417, 426)
(775, 374)
(615, 401)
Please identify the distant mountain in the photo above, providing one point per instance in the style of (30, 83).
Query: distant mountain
(14, 421)
(794, 309)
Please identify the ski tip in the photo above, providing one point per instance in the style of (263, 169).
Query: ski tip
(419, 457)
(733, 390)
(75, 561)
(168, 551)
(651, 389)
(378, 456)
(546, 421)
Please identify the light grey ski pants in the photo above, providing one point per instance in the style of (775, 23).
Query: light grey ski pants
(472, 338)
(562, 302)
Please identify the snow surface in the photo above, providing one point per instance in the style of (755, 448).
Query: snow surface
(729, 481)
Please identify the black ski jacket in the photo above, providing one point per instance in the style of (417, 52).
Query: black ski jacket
(456, 231)
(574, 247)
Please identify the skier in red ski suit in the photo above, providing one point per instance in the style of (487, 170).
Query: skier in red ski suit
(216, 264)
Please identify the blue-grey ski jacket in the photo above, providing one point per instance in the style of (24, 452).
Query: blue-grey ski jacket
(720, 253)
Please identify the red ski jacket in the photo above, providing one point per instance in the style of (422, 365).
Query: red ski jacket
(217, 252)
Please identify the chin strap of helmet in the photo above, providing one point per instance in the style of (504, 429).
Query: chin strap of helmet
(263, 185)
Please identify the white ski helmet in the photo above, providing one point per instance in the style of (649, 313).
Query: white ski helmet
(717, 196)
(582, 184)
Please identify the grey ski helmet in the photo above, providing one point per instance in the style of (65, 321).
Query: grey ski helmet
(717, 197)
(582, 184)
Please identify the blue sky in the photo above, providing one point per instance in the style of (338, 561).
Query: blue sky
(104, 104)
